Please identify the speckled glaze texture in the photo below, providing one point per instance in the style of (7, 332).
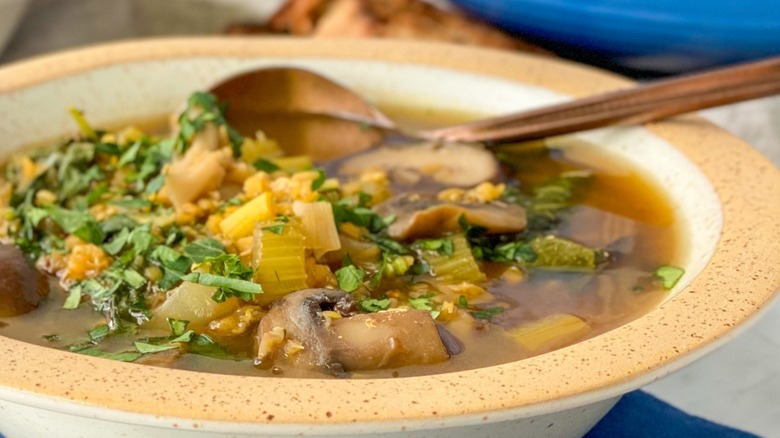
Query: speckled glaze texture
(557, 390)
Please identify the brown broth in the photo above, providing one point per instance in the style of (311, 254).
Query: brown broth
(621, 211)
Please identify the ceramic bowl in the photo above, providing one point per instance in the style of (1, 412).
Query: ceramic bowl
(724, 194)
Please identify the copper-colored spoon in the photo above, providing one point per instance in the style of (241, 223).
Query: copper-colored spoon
(271, 99)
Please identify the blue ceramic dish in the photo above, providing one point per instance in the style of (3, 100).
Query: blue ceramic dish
(662, 36)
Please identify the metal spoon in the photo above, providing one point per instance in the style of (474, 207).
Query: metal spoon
(314, 115)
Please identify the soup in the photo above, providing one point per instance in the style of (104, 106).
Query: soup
(210, 251)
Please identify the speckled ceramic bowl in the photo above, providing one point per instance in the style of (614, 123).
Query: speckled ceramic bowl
(724, 193)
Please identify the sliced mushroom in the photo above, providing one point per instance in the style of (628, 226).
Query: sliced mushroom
(450, 164)
(387, 340)
(418, 217)
(301, 330)
(22, 287)
(298, 319)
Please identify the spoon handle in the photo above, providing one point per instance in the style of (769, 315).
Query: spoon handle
(643, 103)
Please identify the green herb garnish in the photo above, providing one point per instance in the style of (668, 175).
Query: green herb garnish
(203, 108)
(373, 305)
(266, 166)
(487, 314)
(229, 275)
(202, 249)
(441, 246)
(669, 275)
(276, 229)
(350, 278)
(319, 181)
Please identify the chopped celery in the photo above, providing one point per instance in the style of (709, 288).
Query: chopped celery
(86, 129)
(558, 253)
(318, 226)
(261, 147)
(279, 258)
(294, 163)
(455, 266)
(242, 221)
(549, 333)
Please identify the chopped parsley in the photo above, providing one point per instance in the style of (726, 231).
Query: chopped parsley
(125, 356)
(487, 314)
(202, 249)
(350, 278)
(441, 246)
(266, 166)
(669, 275)
(276, 229)
(319, 181)
(373, 305)
(477, 312)
(424, 302)
(229, 275)
(78, 223)
(202, 109)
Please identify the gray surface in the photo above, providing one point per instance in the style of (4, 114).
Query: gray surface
(737, 385)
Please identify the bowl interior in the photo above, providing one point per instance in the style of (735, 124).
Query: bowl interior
(149, 93)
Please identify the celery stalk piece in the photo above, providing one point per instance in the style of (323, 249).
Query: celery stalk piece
(554, 252)
(242, 221)
(279, 258)
(456, 267)
(319, 226)
(551, 332)
(294, 163)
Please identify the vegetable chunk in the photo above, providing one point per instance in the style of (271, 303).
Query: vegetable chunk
(242, 222)
(191, 302)
(279, 257)
(418, 217)
(387, 339)
(319, 328)
(22, 287)
(551, 332)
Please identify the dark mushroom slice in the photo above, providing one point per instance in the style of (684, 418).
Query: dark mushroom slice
(451, 342)
(449, 164)
(22, 287)
(418, 217)
(300, 330)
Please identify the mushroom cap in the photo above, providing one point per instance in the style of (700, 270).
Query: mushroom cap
(449, 164)
(418, 217)
(300, 315)
(22, 287)
(351, 341)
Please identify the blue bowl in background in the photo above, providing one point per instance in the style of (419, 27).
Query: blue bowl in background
(651, 36)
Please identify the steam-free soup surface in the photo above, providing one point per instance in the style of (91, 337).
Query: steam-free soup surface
(584, 260)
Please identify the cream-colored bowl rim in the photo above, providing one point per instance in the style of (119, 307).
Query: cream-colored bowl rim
(739, 280)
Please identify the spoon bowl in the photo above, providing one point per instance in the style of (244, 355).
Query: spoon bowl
(304, 111)
(325, 120)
